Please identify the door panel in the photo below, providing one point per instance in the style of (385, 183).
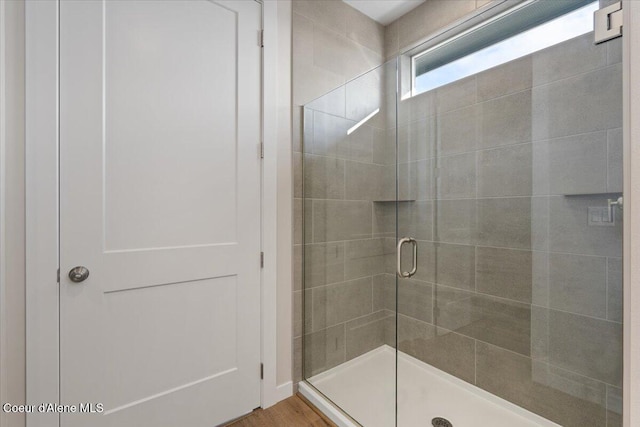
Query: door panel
(186, 323)
(159, 128)
(170, 102)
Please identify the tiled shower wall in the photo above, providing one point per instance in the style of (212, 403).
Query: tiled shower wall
(515, 291)
(425, 20)
(332, 43)
(347, 176)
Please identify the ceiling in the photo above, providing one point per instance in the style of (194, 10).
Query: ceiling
(384, 11)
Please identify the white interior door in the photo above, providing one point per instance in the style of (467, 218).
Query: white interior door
(160, 201)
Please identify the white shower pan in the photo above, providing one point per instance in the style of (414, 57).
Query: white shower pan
(364, 388)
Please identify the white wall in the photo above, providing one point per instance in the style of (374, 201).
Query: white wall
(12, 200)
(277, 230)
(285, 196)
(632, 214)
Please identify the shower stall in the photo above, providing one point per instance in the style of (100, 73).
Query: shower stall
(462, 250)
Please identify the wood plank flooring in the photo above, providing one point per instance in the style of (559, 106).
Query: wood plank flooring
(292, 412)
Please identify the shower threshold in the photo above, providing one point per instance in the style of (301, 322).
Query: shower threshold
(364, 388)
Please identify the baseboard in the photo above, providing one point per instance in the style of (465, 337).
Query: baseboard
(280, 393)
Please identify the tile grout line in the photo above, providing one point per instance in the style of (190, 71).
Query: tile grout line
(608, 131)
(475, 362)
(451, 243)
(606, 406)
(515, 302)
(606, 288)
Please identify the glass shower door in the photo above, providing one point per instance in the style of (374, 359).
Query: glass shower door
(509, 177)
(349, 163)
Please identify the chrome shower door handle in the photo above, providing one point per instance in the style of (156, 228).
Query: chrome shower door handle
(406, 274)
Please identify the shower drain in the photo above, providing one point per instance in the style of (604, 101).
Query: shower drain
(441, 422)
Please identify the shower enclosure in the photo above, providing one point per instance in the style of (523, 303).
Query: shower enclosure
(463, 230)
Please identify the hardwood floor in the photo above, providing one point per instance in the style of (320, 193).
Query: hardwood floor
(292, 412)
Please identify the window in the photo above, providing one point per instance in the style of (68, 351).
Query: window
(501, 40)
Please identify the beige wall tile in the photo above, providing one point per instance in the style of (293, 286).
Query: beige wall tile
(500, 322)
(297, 359)
(415, 299)
(415, 140)
(415, 180)
(324, 350)
(540, 278)
(391, 39)
(417, 107)
(302, 39)
(364, 181)
(614, 289)
(504, 273)
(297, 314)
(505, 120)
(338, 303)
(614, 160)
(324, 177)
(298, 233)
(514, 76)
(569, 230)
(331, 103)
(614, 51)
(459, 94)
(316, 82)
(364, 95)
(567, 107)
(567, 59)
(366, 333)
(297, 268)
(429, 17)
(415, 219)
(578, 284)
(505, 222)
(505, 171)
(384, 292)
(510, 376)
(456, 221)
(614, 407)
(297, 175)
(331, 50)
(445, 350)
(323, 264)
(327, 13)
(457, 131)
(575, 385)
(364, 31)
(363, 258)
(456, 176)
(427, 256)
(455, 266)
(571, 165)
(586, 346)
(341, 220)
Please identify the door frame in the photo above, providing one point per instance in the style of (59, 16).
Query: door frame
(42, 213)
(631, 231)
